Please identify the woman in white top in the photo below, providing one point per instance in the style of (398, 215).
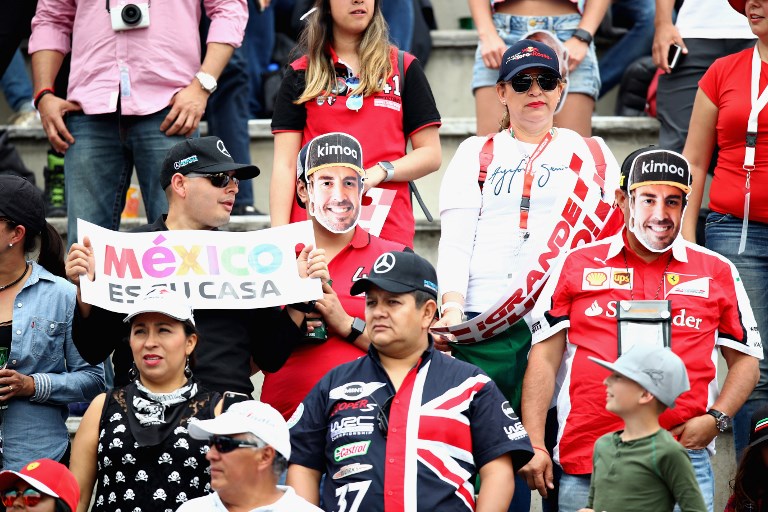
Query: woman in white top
(489, 238)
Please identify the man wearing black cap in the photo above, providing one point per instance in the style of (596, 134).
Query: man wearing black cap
(200, 181)
(575, 317)
(405, 427)
(329, 184)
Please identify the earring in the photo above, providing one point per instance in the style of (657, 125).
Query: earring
(503, 102)
(10, 245)
(187, 369)
(133, 373)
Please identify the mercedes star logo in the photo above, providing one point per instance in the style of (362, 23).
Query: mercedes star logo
(384, 263)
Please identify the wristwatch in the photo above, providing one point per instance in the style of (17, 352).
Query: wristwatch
(723, 420)
(582, 35)
(207, 81)
(389, 168)
(358, 326)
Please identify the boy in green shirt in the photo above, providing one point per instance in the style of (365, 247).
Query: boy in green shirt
(643, 467)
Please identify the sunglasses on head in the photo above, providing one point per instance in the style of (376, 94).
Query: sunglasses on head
(225, 444)
(521, 83)
(31, 497)
(218, 180)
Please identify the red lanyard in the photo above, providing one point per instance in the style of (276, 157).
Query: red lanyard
(525, 200)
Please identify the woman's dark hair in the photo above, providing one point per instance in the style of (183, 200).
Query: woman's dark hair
(750, 485)
(51, 255)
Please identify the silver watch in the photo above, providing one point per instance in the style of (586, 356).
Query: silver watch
(207, 81)
(388, 168)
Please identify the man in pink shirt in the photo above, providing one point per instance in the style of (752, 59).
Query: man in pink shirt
(136, 88)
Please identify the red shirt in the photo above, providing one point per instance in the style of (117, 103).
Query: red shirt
(285, 389)
(727, 85)
(383, 125)
(709, 308)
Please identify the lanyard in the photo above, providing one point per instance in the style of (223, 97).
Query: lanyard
(525, 200)
(758, 103)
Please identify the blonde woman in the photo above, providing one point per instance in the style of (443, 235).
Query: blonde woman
(350, 80)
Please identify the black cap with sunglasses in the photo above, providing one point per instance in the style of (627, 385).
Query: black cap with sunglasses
(399, 272)
(204, 156)
(529, 54)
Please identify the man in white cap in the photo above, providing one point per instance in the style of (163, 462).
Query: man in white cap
(249, 449)
(575, 317)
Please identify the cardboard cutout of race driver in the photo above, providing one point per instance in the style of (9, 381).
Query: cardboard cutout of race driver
(332, 166)
(656, 167)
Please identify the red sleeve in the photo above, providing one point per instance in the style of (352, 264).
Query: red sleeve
(710, 82)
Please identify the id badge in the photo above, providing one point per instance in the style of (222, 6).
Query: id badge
(644, 322)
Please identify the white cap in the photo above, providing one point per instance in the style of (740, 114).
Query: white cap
(248, 417)
(161, 299)
(659, 370)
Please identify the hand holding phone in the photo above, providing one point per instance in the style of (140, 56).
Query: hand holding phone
(675, 52)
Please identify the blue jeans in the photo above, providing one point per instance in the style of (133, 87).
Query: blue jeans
(585, 79)
(400, 18)
(521, 500)
(227, 111)
(573, 492)
(259, 44)
(702, 468)
(574, 489)
(722, 235)
(99, 165)
(16, 84)
(634, 44)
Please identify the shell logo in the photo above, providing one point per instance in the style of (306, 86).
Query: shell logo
(32, 465)
(596, 278)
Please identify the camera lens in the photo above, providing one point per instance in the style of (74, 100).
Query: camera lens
(131, 14)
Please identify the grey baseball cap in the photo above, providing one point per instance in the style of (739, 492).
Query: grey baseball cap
(659, 370)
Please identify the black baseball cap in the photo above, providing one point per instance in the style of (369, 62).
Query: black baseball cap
(207, 155)
(758, 432)
(653, 165)
(399, 272)
(22, 203)
(527, 54)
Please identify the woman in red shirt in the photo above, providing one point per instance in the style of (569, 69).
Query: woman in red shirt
(349, 81)
(728, 112)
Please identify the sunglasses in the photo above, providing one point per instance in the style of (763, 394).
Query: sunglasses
(225, 444)
(522, 83)
(382, 415)
(31, 497)
(218, 180)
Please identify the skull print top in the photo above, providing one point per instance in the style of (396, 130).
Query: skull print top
(150, 478)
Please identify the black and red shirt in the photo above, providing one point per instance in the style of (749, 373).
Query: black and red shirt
(383, 125)
(287, 387)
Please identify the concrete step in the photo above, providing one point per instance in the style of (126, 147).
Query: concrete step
(622, 134)
(448, 12)
(449, 71)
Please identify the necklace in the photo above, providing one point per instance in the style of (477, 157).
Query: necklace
(663, 273)
(26, 268)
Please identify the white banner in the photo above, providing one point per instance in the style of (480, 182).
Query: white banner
(215, 269)
(580, 219)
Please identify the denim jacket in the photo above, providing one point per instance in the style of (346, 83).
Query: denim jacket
(42, 347)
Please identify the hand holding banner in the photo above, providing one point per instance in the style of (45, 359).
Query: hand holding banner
(214, 269)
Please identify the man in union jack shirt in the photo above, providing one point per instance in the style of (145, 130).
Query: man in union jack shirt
(405, 428)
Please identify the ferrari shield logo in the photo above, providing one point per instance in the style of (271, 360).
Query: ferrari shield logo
(673, 279)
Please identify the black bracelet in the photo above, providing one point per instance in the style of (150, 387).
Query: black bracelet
(40, 95)
(582, 35)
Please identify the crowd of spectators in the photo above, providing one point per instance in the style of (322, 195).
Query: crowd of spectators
(566, 342)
